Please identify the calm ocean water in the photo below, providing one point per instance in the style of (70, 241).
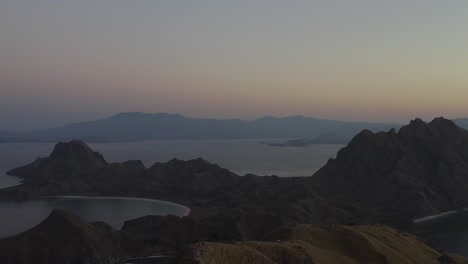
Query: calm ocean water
(239, 156)
(16, 217)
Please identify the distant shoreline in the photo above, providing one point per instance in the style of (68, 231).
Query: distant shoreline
(186, 213)
(432, 217)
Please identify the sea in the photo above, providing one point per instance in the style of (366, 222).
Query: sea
(448, 232)
(239, 156)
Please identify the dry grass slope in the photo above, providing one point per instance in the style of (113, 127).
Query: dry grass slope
(307, 244)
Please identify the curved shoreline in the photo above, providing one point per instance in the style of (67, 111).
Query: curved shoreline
(186, 213)
(434, 216)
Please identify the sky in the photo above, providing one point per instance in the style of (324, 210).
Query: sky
(387, 61)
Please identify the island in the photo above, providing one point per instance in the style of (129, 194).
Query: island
(374, 187)
(328, 138)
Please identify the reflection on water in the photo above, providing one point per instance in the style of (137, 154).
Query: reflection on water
(18, 216)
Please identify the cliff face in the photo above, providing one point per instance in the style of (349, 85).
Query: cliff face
(64, 238)
(307, 244)
(421, 170)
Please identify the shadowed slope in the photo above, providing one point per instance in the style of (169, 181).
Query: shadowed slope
(64, 238)
(307, 244)
(420, 170)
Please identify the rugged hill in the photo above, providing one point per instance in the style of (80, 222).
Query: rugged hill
(307, 244)
(161, 126)
(65, 238)
(421, 170)
(193, 176)
(73, 168)
(66, 161)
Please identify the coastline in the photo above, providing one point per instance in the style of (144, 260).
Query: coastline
(434, 216)
(186, 213)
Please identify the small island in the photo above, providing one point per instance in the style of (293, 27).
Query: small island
(328, 138)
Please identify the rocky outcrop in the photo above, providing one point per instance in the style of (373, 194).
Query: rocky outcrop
(421, 170)
(307, 244)
(66, 161)
(193, 176)
(65, 238)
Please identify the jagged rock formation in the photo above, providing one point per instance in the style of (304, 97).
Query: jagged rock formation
(421, 170)
(73, 168)
(193, 176)
(65, 238)
(66, 161)
(307, 244)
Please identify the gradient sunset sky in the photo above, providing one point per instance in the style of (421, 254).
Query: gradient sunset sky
(390, 61)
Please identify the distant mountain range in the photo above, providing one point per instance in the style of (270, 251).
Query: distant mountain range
(163, 126)
(136, 126)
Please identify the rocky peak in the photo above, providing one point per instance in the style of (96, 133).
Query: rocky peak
(64, 219)
(74, 146)
(77, 154)
(421, 169)
(434, 135)
(73, 149)
(445, 127)
(364, 146)
(67, 159)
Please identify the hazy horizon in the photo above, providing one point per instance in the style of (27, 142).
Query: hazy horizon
(68, 122)
(57, 124)
(364, 60)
